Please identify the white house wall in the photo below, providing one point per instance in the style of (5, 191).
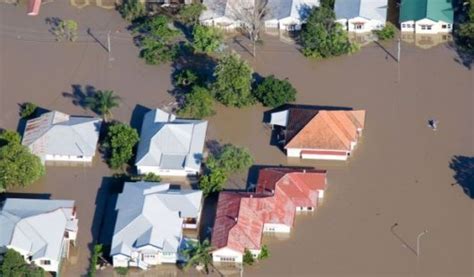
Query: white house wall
(142, 170)
(276, 228)
(120, 261)
(52, 267)
(67, 158)
(296, 153)
(225, 254)
(421, 26)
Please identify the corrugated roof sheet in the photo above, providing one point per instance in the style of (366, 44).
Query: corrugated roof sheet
(369, 9)
(436, 10)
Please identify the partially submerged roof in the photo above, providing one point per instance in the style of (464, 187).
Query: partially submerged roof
(436, 10)
(34, 7)
(369, 9)
(170, 143)
(240, 216)
(152, 214)
(36, 226)
(56, 133)
(323, 129)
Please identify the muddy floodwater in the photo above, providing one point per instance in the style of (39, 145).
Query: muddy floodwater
(399, 172)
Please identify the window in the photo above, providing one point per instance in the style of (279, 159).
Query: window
(443, 26)
(227, 259)
(449, 26)
(428, 27)
(310, 208)
(148, 256)
(404, 25)
(423, 27)
(45, 262)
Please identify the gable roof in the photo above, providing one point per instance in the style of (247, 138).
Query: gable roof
(23, 226)
(57, 133)
(369, 9)
(152, 214)
(297, 9)
(333, 130)
(436, 10)
(170, 143)
(240, 216)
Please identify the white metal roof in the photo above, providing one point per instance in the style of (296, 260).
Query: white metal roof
(36, 226)
(369, 9)
(56, 133)
(279, 118)
(151, 214)
(170, 143)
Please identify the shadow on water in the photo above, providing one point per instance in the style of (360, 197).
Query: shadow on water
(138, 114)
(79, 94)
(105, 214)
(22, 122)
(4, 196)
(463, 168)
(208, 216)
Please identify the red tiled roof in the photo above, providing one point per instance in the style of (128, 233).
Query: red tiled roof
(332, 130)
(240, 216)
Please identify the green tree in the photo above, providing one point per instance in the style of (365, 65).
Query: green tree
(206, 39)
(102, 103)
(248, 258)
(230, 159)
(18, 166)
(212, 182)
(119, 144)
(27, 110)
(199, 103)
(14, 265)
(465, 32)
(233, 81)
(199, 254)
(96, 253)
(189, 14)
(323, 37)
(122, 271)
(273, 92)
(157, 27)
(132, 9)
(186, 78)
(157, 52)
(387, 32)
(264, 253)
(65, 29)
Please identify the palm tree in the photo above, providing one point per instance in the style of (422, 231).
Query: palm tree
(102, 102)
(199, 254)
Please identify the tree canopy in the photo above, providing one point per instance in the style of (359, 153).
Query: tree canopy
(233, 81)
(273, 92)
(230, 159)
(466, 29)
(212, 182)
(199, 103)
(206, 39)
(18, 166)
(119, 144)
(131, 9)
(102, 103)
(189, 14)
(14, 265)
(199, 254)
(387, 32)
(322, 37)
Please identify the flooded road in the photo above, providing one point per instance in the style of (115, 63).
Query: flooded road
(399, 173)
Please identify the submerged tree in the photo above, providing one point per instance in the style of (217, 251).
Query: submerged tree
(198, 103)
(206, 39)
(102, 103)
(273, 92)
(189, 14)
(230, 159)
(131, 9)
(119, 144)
(213, 182)
(199, 254)
(14, 264)
(233, 81)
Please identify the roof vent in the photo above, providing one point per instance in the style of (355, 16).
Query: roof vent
(304, 170)
(236, 219)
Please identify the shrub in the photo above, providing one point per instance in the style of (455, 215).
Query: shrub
(248, 258)
(65, 29)
(387, 32)
(264, 253)
(273, 92)
(151, 177)
(96, 253)
(14, 264)
(199, 103)
(119, 144)
(190, 13)
(186, 78)
(27, 110)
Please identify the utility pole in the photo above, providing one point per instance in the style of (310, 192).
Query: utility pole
(399, 48)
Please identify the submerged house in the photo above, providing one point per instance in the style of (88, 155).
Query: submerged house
(40, 230)
(170, 146)
(285, 15)
(242, 217)
(426, 16)
(319, 134)
(361, 16)
(150, 222)
(56, 136)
